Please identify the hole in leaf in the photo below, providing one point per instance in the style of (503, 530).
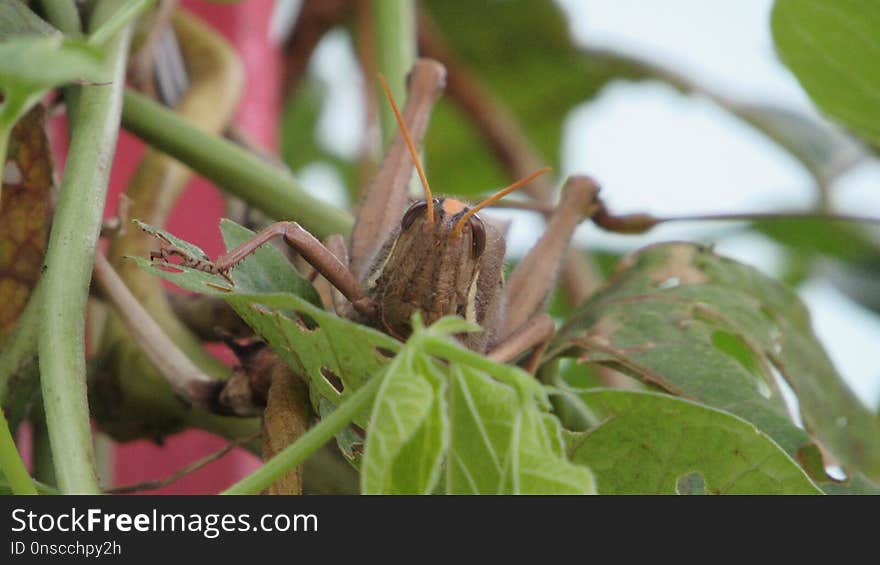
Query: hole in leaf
(671, 282)
(691, 484)
(305, 322)
(788, 394)
(384, 353)
(358, 431)
(332, 379)
(736, 347)
(836, 473)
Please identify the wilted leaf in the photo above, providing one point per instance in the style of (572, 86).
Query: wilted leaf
(409, 429)
(832, 48)
(705, 327)
(651, 443)
(25, 209)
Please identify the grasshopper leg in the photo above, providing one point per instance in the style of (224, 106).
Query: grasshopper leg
(322, 259)
(534, 336)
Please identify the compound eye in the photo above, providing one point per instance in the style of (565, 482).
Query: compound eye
(478, 236)
(412, 213)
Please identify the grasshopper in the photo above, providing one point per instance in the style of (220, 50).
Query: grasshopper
(435, 256)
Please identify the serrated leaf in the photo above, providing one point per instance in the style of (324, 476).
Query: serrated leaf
(335, 354)
(652, 443)
(500, 445)
(408, 432)
(832, 48)
(704, 327)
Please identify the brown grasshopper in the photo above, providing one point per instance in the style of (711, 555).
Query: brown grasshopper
(435, 256)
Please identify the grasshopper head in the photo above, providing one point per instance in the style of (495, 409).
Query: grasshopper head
(437, 266)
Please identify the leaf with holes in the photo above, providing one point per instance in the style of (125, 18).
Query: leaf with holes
(409, 428)
(832, 48)
(335, 354)
(651, 443)
(701, 326)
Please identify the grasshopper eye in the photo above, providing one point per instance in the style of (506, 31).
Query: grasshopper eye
(478, 236)
(410, 216)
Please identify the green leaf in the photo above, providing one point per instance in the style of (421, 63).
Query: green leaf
(17, 19)
(652, 443)
(500, 444)
(335, 354)
(833, 48)
(408, 432)
(698, 325)
(36, 61)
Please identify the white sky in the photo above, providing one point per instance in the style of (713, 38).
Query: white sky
(657, 151)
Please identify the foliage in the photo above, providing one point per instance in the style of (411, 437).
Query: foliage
(713, 342)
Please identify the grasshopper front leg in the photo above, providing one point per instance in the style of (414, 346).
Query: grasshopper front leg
(527, 290)
(322, 259)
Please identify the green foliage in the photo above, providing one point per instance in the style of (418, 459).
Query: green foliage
(832, 48)
(695, 324)
(649, 443)
(425, 412)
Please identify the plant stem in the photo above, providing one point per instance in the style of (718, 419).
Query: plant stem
(311, 441)
(69, 258)
(11, 464)
(394, 25)
(243, 174)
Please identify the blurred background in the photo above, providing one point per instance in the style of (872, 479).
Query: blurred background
(677, 108)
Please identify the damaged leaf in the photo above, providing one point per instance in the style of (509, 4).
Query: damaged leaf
(651, 443)
(336, 355)
(701, 326)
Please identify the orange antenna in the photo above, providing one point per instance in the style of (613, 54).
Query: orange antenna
(456, 230)
(412, 149)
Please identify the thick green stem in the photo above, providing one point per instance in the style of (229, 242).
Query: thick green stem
(69, 258)
(242, 173)
(394, 25)
(11, 463)
(310, 442)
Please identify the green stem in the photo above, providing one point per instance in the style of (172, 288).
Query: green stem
(308, 443)
(394, 25)
(242, 173)
(69, 258)
(11, 464)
